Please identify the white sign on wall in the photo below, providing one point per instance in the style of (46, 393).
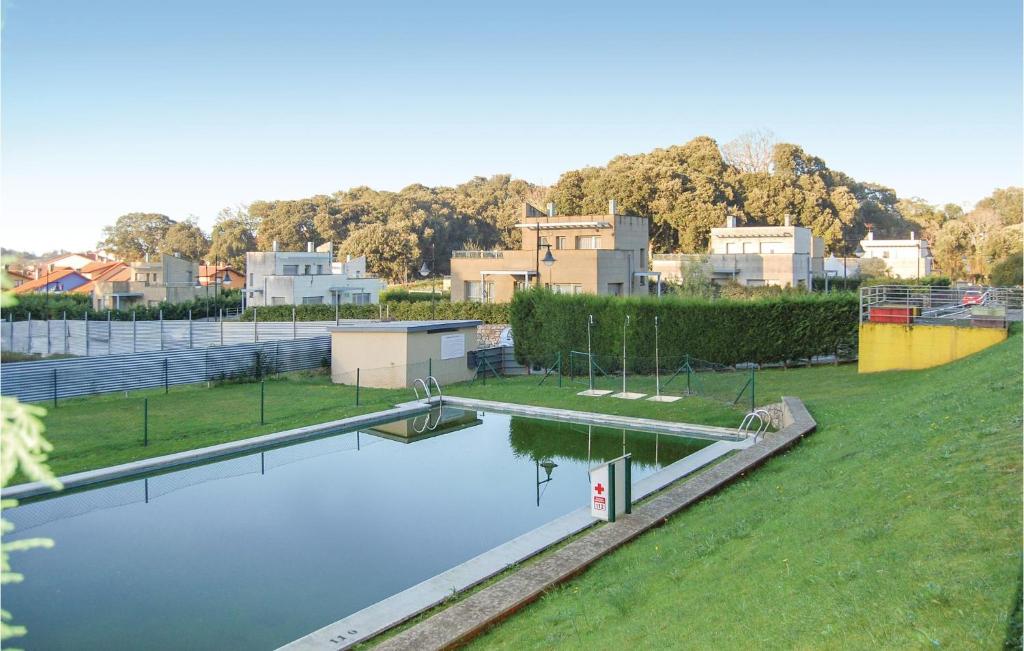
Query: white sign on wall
(453, 346)
(610, 489)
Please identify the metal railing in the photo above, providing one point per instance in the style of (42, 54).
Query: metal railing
(479, 254)
(930, 305)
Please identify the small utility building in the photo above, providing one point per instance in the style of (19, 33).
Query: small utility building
(392, 354)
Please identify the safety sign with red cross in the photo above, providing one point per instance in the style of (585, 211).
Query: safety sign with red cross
(610, 489)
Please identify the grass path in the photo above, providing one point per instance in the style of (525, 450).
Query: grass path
(896, 525)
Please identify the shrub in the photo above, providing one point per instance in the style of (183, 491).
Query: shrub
(404, 311)
(789, 327)
(1008, 272)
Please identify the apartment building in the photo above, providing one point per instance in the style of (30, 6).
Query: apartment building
(161, 279)
(753, 256)
(307, 277)
(903, 258)
(594, 254)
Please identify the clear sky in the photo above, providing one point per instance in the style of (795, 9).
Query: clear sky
(186, 107)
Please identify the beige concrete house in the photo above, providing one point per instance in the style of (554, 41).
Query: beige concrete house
(753, 256)
(594, 254)
(903, 258)
(167, 278)
(308, 277)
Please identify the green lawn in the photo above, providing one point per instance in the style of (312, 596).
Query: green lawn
(97, 431)
(896, 525)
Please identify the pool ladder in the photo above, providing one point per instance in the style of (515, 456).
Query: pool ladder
(425, 383)
(748, 428)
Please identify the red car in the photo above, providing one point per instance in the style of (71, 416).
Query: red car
(973, 297)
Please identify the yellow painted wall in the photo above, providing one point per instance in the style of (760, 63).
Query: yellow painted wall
(892, 346)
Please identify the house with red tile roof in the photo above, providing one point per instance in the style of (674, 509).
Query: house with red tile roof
(221, 276)
(56, 281)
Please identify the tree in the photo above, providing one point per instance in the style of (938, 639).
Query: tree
(1008, 203)
(289, 223)
(873, 268)
(1008, 272)
(186, 239)
(751, 151)
(234, 234)
(136, 235)
(390, 250)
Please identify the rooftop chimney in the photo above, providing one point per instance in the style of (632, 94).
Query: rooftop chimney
(274, 246)
(177, 254)
(611, 207)
(913, 235)
(551, 209)
(730, 221)
(309, 247)
(871, 232)
(786, 223)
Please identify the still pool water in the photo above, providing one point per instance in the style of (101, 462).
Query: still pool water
(257, 550)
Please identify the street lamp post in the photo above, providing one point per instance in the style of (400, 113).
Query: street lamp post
(426, 271)
(548, 261)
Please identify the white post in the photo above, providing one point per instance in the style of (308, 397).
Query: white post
(590, 354)
(190, 329)
(47, 334)
(255, 325)
(110, 338)
(293, 322)
(161, 329)
(29, 350)
(221, 326)
(65, 332)
(657, 372)
(134, 333)
(86, 334)
(625, 323)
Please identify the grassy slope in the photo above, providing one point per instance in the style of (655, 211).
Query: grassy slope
(98, 431)
(897, 524)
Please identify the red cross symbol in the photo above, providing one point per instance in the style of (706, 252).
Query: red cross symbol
(599, 489)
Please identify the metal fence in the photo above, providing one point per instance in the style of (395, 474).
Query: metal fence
(107, 337)
(65, 378)
(928, 305)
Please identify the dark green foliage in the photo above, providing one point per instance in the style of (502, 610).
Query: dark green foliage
(402, 311)
(400, 295)
(932, 281)
(76, 306)
(1008, 272)
(782, 329)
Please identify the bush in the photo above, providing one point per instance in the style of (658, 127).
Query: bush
(76, 306)
(931, 281)
(1008, 272)
(787, 328)
(403, 311)
(402, 295)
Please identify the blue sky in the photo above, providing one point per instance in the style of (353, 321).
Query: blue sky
(186, 107)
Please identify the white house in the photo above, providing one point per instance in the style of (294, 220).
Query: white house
(307, 277)
(903, 258)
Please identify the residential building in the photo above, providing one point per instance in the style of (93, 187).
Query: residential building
(167, 279)
(221, 276)
(16, 278)
(307, 277)
(753, 256)
(53, 282)
(593, 254)
(903, 258)
(74, 261)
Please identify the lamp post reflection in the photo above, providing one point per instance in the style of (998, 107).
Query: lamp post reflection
(548, 465)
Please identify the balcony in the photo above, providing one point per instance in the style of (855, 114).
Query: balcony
(479, 255)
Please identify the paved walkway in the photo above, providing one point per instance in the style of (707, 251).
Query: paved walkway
(466, 619)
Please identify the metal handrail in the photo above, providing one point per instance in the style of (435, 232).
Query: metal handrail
(764, 419)
(426, 422)
(440, 396)
(426, 389)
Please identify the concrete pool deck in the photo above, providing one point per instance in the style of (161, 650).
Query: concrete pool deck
(464, 620)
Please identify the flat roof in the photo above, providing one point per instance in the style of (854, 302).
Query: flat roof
(550, 226)
(406, 326)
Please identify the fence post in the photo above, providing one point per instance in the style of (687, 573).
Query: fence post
(167, 384)
(29, 351)
(145, 421)
(190, 329)
(689, 391)
(559, 369)
(161, 329)
(47, 334)
(430, 366)
(261, 400)
(357, 386)
(336, 304)
(66, 347)
(134, 333)
(255, 325)
(221, 319)
(86, 334)
(110, 338)
(293, 322)
(55, 386)
(753, 393)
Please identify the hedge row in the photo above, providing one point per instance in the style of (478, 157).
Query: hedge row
(783, 329)
(76, 306)
(403, 310)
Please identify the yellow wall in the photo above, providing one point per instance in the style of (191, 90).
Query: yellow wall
(891, 346)
(395, 359)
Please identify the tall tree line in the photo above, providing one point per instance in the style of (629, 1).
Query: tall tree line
(685, 190)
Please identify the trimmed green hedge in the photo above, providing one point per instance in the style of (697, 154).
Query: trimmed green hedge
(404, 310)
(783, 329)
(76, 306)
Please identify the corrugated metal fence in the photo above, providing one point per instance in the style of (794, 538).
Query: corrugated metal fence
(65, 378)
(88, 338)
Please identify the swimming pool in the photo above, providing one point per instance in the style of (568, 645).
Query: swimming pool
(263, 548)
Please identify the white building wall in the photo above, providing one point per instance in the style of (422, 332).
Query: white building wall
(312, 277)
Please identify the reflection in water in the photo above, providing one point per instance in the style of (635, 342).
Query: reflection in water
(257, 550)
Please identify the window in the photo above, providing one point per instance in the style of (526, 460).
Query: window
(312, 300)
(885, 254)
(141, 277)
(188, 277)
(155, 278)
(277, 300)
(319, 269)
(252, 280)
(291, 270)
(588, 242)
(560, 242)
(755, 282)
(615, 289)
(361, 298)
(732, 247)
(750, 247)
(566, 288)
(309, 270)
(479, 292)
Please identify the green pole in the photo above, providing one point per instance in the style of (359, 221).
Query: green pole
(688, 390)
(753, 394)
(611, 492)
(559, 369)
(357, 387)
(430, 366)
(145, 421)
(262, 384)
(629, 484)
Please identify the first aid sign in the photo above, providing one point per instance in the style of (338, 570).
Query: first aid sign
(610, 489)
